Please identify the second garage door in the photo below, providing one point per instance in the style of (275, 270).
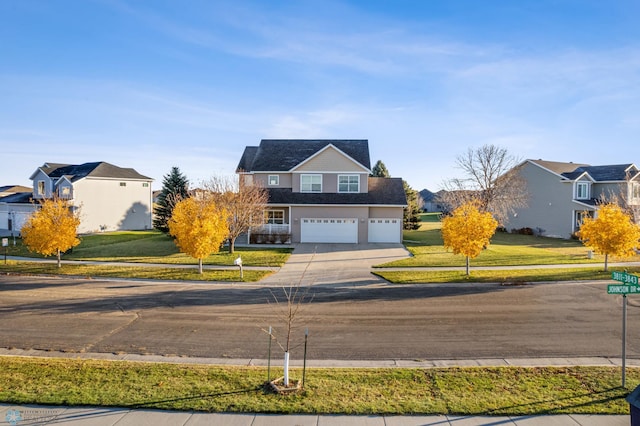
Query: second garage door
(385, 230)
(329, 230)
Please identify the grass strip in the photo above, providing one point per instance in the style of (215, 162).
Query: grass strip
(134, 272)
(464, 391)
(506, 276)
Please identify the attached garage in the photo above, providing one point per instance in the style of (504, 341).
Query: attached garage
(329, 230)
(385, 230)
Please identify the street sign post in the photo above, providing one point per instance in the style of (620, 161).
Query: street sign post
(629, 286)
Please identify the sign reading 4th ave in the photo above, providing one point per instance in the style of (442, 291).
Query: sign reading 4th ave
(624, 277)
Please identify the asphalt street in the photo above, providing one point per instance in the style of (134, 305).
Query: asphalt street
(350, 315)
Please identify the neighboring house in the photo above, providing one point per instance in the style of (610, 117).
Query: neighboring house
(561, 195)
(13, 189)
(429, 201)
(320, 191)
(108, 197)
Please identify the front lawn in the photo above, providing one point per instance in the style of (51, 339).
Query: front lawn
(506, 249)
(156, 247)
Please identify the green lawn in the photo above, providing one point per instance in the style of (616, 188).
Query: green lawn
(506, 249)
(402, 391)
(156, 247)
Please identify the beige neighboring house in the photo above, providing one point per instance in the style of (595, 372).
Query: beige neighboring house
(563, 194)
(320, 191)
(108, 197)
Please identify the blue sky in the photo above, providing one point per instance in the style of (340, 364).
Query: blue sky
(159, 83)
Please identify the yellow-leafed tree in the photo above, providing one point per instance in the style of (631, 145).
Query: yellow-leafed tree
(52, 229)
(468, 230)
(611, 232)
(199, 227)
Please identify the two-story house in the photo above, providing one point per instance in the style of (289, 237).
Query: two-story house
(563, 194)
(320, 191)
(108, 197)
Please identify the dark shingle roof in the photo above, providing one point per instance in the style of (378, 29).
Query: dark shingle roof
(571, 171)
(382, 191)
(616, 172)
(18, 198)
(284, 154)
(96, 169)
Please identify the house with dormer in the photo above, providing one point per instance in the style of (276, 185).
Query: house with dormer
(320, 191)
(107, 197)
(561, 194)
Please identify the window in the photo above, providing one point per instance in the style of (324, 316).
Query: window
(274, 217)
(41, 187)
(123, 183)
(65, 191)
(582, 190)
(348, 183)
(145, 184)
(635, 191)
(274, 180)
(310, 183)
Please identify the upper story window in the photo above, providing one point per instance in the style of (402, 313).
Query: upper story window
(635, 191)
(310, 183)
(41, 189)
(274, 180)
(348, 183)
(123, 183)
(582, 191)
(65, 191)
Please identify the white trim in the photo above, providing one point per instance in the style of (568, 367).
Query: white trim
(311, 191)
(348, 175)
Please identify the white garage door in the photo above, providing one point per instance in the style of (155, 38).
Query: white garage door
(329, 230)
(385, 230)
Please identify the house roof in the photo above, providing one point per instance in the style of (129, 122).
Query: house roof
(382, 191)
(18, 198)
(273, 155)
(14, 188)
(98, 169)
(615, 172)
(572, 171)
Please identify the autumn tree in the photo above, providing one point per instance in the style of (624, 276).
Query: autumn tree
(175, 187)
(245, 204)
(611, 232)
(468, 231)
(52, 229)
(199, 227)
(492, 178)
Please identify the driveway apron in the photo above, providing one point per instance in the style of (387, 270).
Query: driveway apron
(314, 264)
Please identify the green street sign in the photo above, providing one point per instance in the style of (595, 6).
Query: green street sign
(622, 289)
(624, 277)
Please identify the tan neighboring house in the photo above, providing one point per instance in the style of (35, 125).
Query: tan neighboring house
(563, 194)
(320, 191)
(109, 198)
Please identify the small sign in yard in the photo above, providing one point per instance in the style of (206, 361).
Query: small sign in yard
(5, 242)
(625, 277)
(622, 289)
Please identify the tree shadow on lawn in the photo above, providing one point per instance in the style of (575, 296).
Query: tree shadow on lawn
(559, 405)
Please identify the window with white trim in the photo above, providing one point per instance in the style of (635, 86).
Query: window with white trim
(348, 183)
(274, 217)
(274, 180)
(582, 190)
(635, 191)
(310, 183)
(41, 188)
(65, 191)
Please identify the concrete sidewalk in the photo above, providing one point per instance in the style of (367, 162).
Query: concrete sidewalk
(20, 415)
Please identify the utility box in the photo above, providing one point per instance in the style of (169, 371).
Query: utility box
(634, 406)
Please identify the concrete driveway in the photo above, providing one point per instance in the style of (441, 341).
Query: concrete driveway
(315, 263)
